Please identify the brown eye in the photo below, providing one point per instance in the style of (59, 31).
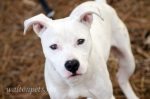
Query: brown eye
(80, 41)
(54, 46)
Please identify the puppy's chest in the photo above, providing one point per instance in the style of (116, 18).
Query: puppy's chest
(78, 93)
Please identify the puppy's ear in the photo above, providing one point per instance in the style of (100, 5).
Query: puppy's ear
(85, 14)
(39, 23)
(86, 18)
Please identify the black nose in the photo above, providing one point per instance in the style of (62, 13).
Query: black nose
(72, 65)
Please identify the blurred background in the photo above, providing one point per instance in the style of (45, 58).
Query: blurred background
(22, 60)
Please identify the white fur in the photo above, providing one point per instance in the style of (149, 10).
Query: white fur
(102, 30)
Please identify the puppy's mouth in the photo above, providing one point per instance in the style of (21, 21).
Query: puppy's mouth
(74, 75)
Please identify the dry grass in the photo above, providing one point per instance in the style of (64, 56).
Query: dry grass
(22, 61)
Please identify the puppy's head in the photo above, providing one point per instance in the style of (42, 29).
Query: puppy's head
(66, 42)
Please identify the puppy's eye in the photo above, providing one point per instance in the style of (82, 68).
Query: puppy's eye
(54, 46)
(80, 41)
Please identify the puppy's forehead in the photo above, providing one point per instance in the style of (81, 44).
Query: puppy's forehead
(67, 28)
(63, 25)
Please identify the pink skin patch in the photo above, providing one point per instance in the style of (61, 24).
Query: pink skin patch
(67, 74)
(70, 75)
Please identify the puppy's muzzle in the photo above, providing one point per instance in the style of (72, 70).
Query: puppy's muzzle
(72, 65)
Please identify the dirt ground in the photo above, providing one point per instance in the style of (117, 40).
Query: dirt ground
(22, 60)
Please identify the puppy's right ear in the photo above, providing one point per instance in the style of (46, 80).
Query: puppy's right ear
(39, 23)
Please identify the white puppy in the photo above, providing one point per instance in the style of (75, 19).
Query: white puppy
(77, 48)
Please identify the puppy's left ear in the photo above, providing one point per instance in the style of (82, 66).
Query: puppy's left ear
(85, 14)
(86, 18)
